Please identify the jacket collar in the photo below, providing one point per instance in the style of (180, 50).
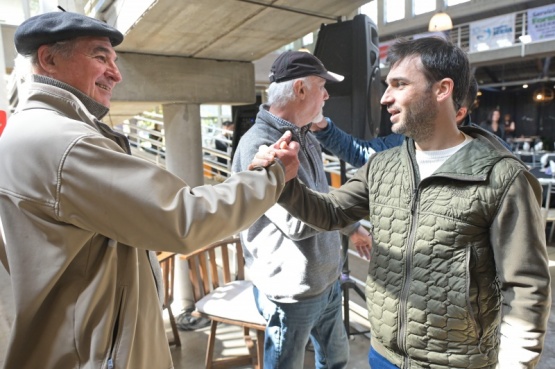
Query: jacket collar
(475, 160)
(93, 107)
(72, 103)
(283, 125)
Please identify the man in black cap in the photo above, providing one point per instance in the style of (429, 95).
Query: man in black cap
(79, 214)
(295, 269)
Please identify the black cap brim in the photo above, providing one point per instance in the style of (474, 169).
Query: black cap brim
(332, 77)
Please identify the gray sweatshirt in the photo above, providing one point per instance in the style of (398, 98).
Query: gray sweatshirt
(286, 259)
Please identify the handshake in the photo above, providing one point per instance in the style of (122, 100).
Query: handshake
(285, 150)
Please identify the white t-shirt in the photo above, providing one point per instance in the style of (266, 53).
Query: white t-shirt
(429, 161)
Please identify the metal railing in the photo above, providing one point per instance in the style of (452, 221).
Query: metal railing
(149, 143)
(146, 136)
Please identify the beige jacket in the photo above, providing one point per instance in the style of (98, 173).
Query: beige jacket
(79, 214)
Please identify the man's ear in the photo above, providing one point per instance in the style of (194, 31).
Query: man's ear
(299, 88)
(461, 114)
(46, 59)
(445, 89)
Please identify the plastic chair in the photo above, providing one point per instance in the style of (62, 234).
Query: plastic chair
(226, 297)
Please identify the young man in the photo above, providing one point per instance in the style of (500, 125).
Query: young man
(295, 269)
(458, 276)
(78, 214)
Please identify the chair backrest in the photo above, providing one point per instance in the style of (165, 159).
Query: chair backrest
(215, 265)
(167, 264)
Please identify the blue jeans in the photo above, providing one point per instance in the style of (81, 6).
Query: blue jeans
(290, 325)
(377, 361)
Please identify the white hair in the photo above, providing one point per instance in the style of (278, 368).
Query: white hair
(279, 94)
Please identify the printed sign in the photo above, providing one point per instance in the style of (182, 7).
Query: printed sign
(541, 23)
(492, 33)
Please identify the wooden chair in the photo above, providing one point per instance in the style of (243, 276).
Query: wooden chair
(167, 264)
(226, 298)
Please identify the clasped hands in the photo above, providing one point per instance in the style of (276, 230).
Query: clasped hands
(285, 150)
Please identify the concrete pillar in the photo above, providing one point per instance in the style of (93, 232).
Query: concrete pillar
(183, 158)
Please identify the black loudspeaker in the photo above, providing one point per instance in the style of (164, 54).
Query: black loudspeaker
(244, 117)
(351, 48)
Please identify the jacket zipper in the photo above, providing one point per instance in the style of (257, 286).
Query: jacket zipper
(303, 142)
(403, 314)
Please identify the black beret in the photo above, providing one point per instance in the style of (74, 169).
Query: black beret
(52, 27)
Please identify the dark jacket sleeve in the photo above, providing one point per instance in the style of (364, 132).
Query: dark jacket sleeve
(353, 150)
(522, 266)
(331, 211)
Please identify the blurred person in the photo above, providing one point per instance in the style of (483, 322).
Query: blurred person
(493, 125)
(222, 143)
(509, 126)
(81, 217)
(295, 269)
(458, 274)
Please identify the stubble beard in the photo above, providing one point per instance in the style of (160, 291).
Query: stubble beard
(418, 121)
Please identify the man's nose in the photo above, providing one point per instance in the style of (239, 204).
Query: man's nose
(114, 73)
(386, 97)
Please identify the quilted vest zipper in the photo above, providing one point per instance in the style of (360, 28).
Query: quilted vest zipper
(403, 314)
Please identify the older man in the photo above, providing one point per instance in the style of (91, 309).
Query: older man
(78, 213)
(294, 267)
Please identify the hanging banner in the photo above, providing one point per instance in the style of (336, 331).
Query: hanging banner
(492, 33)
(541, 23)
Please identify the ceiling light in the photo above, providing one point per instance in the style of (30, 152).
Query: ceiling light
(525, 86)
(543, 94)
(441, 21)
